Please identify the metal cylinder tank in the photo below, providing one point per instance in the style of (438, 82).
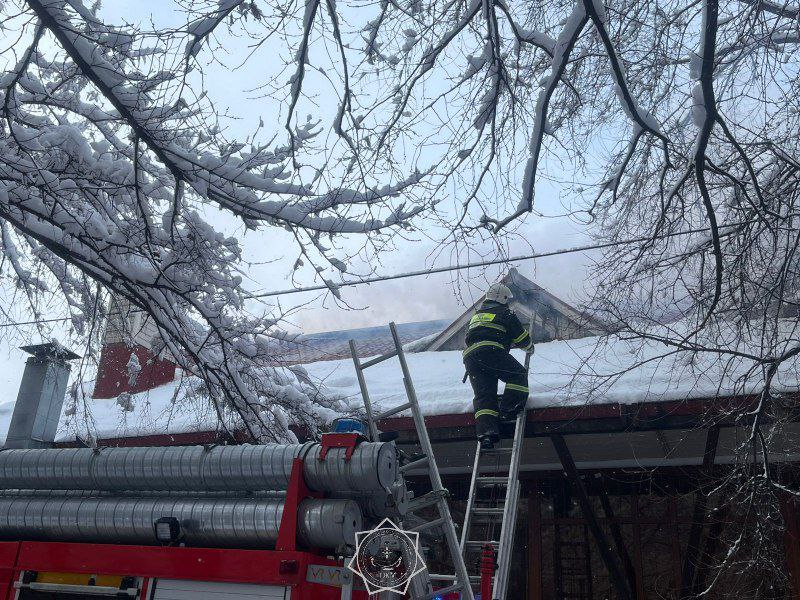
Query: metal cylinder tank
(372, 467)
(211, 522)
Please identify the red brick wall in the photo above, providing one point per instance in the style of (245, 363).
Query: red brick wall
(112, 373)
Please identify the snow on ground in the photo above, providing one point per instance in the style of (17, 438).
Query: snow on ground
(563, 373)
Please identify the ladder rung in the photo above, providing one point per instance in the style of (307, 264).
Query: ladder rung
(435, 577)
(442, 592)
(487, 511)
(428, 499)
(495, 450)
(393, 411)
(378, 359)
(487, 519)
(414, 464)
(482, 543)
(429, 525)
(472, 578)
(492, 480)
(411, 520)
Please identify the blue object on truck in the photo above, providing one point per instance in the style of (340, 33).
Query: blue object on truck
(346, 425)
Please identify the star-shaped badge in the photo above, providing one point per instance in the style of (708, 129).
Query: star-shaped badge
(387, 558)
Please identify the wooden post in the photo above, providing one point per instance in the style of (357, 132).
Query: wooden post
(616, 534)
(698, 515)
(535, 544)
(614, 571)
(637, 547)
(676, 543)
(791, 538)
(588, 565)
(559, 510)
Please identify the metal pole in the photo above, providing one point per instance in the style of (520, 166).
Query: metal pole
(509, 512)
(471, 500)
(512, 495)
(348, 578)
(362, 383)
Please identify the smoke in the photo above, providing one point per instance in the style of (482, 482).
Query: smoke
(446, 295)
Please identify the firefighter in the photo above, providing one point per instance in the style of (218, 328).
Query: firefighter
(493, 330)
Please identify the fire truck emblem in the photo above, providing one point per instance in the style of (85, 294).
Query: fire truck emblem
(387, 558)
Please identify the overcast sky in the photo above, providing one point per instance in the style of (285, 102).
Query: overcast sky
(270, 253)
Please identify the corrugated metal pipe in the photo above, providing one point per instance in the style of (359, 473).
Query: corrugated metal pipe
(375, 505)
(372, 467)
(241, 523)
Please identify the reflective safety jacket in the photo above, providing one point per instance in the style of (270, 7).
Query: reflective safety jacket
(495, 325)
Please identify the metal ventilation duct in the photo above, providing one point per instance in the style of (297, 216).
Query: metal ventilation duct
(374, 505)
(40, 398)
(372, 467)
(240, 523)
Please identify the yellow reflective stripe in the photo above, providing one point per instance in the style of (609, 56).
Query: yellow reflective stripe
(520, 337)
(519, 388)
(485, 412)
(482, 317)
(489, 325)
(477, 345)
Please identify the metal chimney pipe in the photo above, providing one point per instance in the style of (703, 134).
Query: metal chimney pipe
(41, 396)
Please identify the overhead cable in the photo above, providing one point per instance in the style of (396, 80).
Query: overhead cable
(434, 270)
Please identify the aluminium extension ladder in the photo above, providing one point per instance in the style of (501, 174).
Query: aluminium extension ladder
(491, 518)
(502, 513)
(421, 588)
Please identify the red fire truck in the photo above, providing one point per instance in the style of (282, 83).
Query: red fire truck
(46, 570)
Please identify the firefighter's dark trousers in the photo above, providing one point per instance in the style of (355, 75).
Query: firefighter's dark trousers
(485, 366)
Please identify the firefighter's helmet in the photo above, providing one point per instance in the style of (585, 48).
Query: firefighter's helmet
(499, 293)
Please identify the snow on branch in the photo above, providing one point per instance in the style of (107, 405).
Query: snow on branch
(228, 180)
(561, 54)
(645, 120)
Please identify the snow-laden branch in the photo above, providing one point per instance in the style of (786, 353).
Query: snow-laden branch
(205, 26)
(561, 54)
(227, 181)
(704, 113)
(630, 106)
(787, 9)
(191, 310)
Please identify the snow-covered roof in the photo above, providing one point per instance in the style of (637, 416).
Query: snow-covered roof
(335, 345)
(563, 373)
